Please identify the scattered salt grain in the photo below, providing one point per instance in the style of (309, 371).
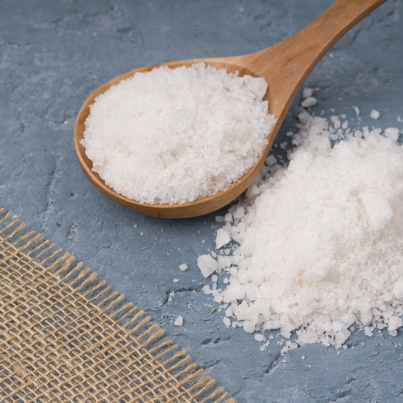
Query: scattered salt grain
(206, 289)
(368, 331)
(308, 102)
(394, 324)
(227, 322)
(320, 242)
(183, 267)
(357, 111)
(222, 238)
(307, 92)
(175, 280)
(178, 321)
(336, 122)
(177, 135)
(259, 337)
(207, 265)
(375, 114)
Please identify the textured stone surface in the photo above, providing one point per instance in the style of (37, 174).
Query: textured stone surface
(54, 54)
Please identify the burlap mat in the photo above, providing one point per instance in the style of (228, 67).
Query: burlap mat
(66, 337)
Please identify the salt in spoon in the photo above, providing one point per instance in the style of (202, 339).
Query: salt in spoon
(284, 66)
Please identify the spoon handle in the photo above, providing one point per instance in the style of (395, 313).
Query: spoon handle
(296, 56)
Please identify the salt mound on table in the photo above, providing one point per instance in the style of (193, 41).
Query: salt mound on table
(320, 243)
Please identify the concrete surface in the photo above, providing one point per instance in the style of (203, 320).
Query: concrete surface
(54, 54)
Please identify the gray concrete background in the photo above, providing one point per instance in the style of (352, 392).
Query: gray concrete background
(55, 53)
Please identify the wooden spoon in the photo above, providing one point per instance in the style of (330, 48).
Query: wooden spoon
(284, 66)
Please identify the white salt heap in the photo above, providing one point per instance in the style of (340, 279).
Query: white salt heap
(176, 135)
(321, 241)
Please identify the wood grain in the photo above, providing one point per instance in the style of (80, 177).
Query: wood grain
(284, 66)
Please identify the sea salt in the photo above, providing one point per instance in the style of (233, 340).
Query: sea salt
(259, 337)
(207, 265)
(308, 102)
(222, 238)
(227, 322)
(320, 241)
(177, 135)
(183, 267)
(375, 114)
(178, 321)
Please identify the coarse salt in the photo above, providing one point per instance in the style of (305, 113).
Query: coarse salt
(375, 114)
(183, 267)
(177, 135)
(178, 321)
(320, 242)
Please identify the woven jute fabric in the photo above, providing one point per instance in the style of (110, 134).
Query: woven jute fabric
(67, 337)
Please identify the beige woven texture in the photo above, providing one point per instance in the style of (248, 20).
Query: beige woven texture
(66, 337)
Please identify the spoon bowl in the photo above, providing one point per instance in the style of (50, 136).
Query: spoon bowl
(284, 66)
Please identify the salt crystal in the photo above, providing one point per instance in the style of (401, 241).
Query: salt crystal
(307, 92)
(252, 191)
(222, 238)
(259, 337)
(175, 280)
(375, 114)
(227, 322)
(368, 331)
(336, 122)
(239, 213)
(394, 323)
(228, 217)
(178, 321)
(207, 265)
(183, 267)
(206, 289)
(308, 102)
